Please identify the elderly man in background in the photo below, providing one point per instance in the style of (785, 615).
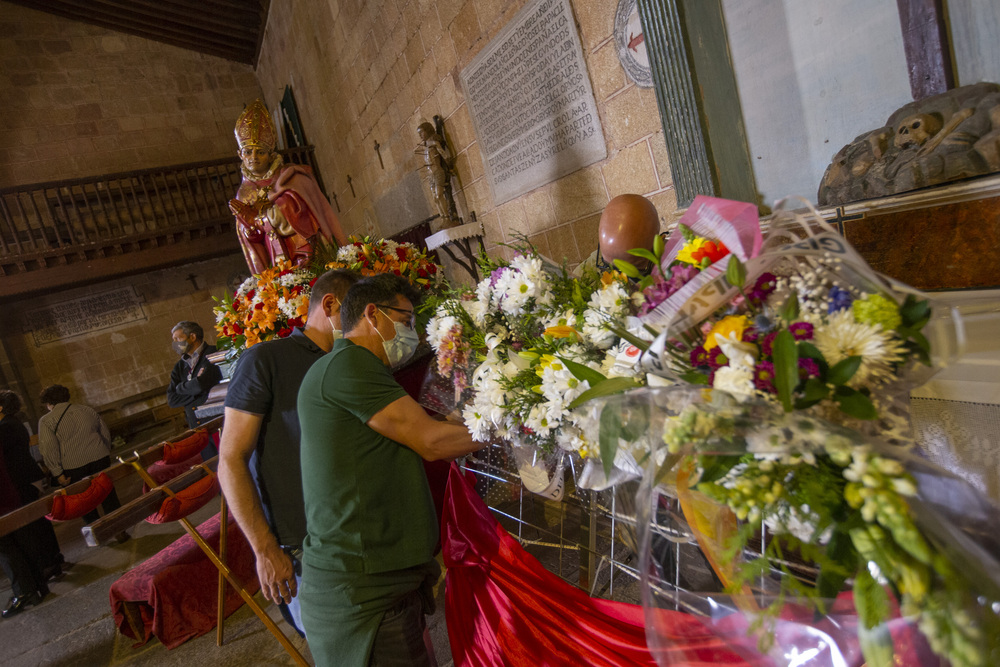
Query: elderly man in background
(259, 452)
(193, 376)
(75, 443)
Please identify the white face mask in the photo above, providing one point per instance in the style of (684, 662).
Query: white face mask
(401, 347)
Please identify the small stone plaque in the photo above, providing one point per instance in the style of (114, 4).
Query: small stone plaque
(89, 314)
(531, 102)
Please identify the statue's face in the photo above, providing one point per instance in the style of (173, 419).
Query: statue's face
(422, 133)
(256, 159)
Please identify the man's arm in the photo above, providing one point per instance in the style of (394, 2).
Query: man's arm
(405, 421)
(274, 567)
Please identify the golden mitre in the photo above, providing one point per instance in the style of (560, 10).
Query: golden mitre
(254, 127)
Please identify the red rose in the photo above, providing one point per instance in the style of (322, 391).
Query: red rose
(432, 268)
(258, 306)
(422, 273)
(401, 254)
(295, 322)
(250, 294)
(285, 333)
(313, 281)
(237, 329)
(396, 271)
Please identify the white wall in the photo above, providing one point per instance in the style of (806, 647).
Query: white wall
(975, 37)
(812, 75)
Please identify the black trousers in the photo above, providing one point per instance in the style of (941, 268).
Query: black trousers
(19, 559)
(111, 503)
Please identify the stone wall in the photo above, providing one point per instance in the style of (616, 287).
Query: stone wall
(367, 71)
(120, 361)
(80, 100)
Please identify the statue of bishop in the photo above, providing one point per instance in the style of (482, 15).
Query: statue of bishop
(280, 211)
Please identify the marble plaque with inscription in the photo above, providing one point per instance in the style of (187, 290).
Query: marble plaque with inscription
(531, 102)
(89, 314)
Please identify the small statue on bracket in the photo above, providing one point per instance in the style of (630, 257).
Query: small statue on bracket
(280, 210)
(438, 166)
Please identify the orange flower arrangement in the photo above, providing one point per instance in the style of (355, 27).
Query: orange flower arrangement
(369, 258)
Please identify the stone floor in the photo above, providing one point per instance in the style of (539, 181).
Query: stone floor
(73, 626)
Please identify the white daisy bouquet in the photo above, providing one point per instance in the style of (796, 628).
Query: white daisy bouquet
(530, 344)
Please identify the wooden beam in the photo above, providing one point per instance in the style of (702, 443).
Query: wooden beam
(36, 510)
(927, 47)
(105, 529)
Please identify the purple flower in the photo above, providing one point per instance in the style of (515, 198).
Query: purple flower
(496, 275)
(801, 330)
(765, 284)
(763, 376)
(808, 368)
(699, 356)
(765, 345)
(716, 359)
(661, 290)
(840, 299)
(750, 335)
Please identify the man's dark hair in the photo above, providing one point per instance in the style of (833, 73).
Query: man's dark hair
(54, 394)
(10, 402)
(336, 282)
(190, 328)
(382, 288)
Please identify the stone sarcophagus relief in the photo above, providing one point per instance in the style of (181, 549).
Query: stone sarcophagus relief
(935, 140)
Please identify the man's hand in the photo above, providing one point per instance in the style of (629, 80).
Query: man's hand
(63, 480)
(276, 574)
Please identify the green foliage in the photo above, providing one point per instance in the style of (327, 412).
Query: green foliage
(615, 425)
(786, 367)
(608, 387)
(736, 273)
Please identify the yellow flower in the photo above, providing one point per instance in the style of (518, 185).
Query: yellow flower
(609, 277)
(684, 255)
(561, 331)
(726, 326)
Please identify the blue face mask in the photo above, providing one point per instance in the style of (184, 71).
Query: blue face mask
(401, 347)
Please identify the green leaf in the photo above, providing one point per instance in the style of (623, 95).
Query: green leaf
(632, 339)
(610, 429)
(789, 311)
(609, 387)
(876, 646)
(840, 550)
(870, 598)
(716, 467)
(855, 404)
(786, 366)
(694, 377)
(686, 232)
(635, 423)
(645, 254)
(736, 273)
(658, 244)
(814, 391)
(913, 311)
(843, 370)
(645, 282)
(627, 268)
(583, 373)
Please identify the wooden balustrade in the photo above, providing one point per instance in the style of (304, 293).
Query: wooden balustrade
(66, 224)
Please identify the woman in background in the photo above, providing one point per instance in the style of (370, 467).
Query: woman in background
(29, 555)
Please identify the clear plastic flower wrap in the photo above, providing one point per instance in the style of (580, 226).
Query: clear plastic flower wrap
(828, 545)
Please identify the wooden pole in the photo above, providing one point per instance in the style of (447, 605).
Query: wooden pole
(223, 544)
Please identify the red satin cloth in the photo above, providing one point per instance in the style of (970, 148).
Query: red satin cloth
(174, 594)
(504, 608)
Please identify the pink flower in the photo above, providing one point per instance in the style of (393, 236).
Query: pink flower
(699, 356)
(765, 345)
(763, 376)
(808, 368)
(801, 330)
(716, 359)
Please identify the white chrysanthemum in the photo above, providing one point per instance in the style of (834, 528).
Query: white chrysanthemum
(737, 381)
(477, 311)
(538, 421)
(245, 287)
(608, 304)
(515, 292)
(561, 387)
(560, 318)
(297, 277)
(438, 327)
(477, 423)
(570, 438)
(841, 337)
(389, 246)
(348, 254)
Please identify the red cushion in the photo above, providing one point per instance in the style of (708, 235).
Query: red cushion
(186, 500)
(177, 452)
(66, 507)
(163, 472)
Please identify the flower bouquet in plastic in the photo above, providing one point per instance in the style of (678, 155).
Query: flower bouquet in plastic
(525, 348)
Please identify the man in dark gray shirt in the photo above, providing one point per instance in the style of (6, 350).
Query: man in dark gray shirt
(259, 466)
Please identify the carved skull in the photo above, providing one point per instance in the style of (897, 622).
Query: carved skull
(916, 130)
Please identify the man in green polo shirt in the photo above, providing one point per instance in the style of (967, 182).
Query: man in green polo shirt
(372, 530)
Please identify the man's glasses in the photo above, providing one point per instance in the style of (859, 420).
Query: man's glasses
(408, 313)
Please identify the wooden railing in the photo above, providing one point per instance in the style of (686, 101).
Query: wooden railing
(48, 225)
